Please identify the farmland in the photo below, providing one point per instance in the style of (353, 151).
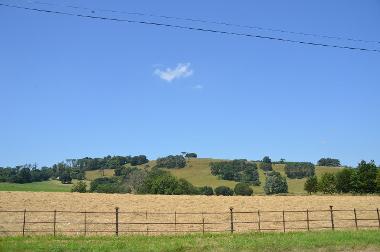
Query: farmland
(189, 209)
(44, 186)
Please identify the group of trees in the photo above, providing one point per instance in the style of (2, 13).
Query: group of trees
(275, 183)
(266, 164)
(329, 162)
(239, 170)
(298, 170)
(171, 162)
(364, 179)
(25, 174)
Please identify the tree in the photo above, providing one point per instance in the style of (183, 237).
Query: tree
(367, 173)
(206, 190)
(378, 181)
(65, 178)
(275, 183)
(243, 189)
(329, 162)
(185, 187)
(224, 190)
(24, 176)
(299, 170)
(267, 160)
(80, 187)
(191, 155)
(327, 183)
(282, 161)
(239, 170)
(343, 180)
(171, 162)
(311, 184)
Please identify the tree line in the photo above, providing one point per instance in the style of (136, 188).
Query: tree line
(365, 179)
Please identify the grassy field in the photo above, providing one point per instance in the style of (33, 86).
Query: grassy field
(313, 241)
(44, 186)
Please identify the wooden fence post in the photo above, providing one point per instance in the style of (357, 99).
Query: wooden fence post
(85, 223)
(232, 219)
(175, 221)
(283, 219)
(146, 220)
(356, 219)
(117, 221)
(23, 225)
(378, 216)
(203, 225)
(258, 215)
(54, 221)
(332, 218)
(307, 220)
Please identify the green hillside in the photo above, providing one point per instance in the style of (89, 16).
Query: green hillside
(197, 171)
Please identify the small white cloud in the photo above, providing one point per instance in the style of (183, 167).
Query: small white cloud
(181, 71)
(198, 87)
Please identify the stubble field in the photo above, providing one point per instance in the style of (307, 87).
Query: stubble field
(153, 214)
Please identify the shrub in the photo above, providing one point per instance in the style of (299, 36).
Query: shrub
(108, 185)
(237, 170)
(327, 183)
(343, 180)
(206, 190)
(184, 187)
(80, 187)
(367, 173)
(171, 162)
(243, 189)
(65, 178)
(266, 166)
(329, 162)
(311, 184)
(224, 190)
(299, 170)
(275, 183)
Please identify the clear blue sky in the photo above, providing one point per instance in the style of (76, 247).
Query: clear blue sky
(72, 87)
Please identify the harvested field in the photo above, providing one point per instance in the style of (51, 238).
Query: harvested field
(156, 213)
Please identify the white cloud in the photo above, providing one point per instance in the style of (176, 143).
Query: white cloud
(198, 87)
(181, 71)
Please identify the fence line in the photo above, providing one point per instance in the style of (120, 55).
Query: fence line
(143, 222)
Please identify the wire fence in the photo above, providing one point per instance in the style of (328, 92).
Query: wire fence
(31, 222)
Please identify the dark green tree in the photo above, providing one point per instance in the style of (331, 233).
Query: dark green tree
(224, 190)
(275, 183)
(343, 180)
(299, 170)
(206, 190)
(327, 183)
(329, 162)
(311, 184)
(243, 189)
(367, 173)
(80, 187)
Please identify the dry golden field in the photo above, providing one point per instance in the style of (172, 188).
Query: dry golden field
(154, 213)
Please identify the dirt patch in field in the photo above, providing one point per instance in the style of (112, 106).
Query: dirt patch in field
(155, 213)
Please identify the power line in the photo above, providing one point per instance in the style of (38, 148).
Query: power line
(189, 28)
(208, 22)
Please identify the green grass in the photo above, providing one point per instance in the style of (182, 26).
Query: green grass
(299, 241)
(92, 175)
(44, 186)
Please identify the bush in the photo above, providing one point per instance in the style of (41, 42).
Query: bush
(237, 170)
(327, 183)
(108, 185)
(275, 183)
(171, 162)
(367, 173)
(206, 190)
(224, 190)
(299, 170)
(243, 189)
(266, 166)
(80, 187)
(311, 184)
(65, 178)
(343, 180)
(329, 162)
(184, 187)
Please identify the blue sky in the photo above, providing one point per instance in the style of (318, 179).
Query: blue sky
(72, 87)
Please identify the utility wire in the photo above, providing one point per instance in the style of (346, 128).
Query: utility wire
(209, 22)
(189, 28)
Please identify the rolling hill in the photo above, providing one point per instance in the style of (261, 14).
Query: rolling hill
(197, 171)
